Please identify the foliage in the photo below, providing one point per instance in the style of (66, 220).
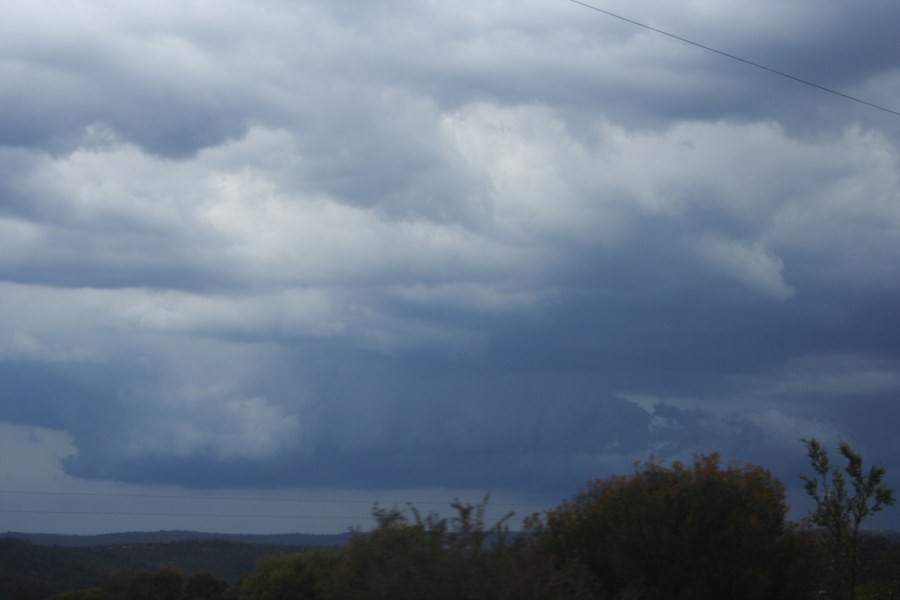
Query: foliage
(430, 556)
(310, 575)
(204, 586)
(88, 594)
(32, 570)
(443, 559)
(879, 559)
(165, 584)
(690, 532)
(875, 590)
(406, 556)
(840, 513)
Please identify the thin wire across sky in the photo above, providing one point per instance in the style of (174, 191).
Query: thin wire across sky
(738, 58)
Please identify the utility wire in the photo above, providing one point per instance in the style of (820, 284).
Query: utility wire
(737, 58)
(186, 497)
(241, 498)
(167, 514)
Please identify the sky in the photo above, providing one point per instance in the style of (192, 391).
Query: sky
(264, 263)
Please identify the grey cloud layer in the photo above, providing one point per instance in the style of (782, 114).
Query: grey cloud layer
(509, 244)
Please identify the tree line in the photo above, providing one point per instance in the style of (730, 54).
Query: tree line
(684, 531)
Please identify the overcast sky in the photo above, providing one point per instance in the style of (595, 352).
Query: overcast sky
(341, 251)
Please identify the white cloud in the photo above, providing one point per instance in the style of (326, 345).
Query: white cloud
(46, 324)
(308, 263)
(215, 421)
(783, 432)
(19, 345)
(475, 297)
(33, 455)
(751, 265)
(837, 376)
(18, 239)
(845, 229)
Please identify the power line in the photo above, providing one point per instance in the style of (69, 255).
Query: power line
(167, 514)
(239, 498)
(738, 58)
(113, 513)
(184, 497)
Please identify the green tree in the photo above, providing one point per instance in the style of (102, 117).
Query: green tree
(165, 584)
(405, 556)
(683, 532)
(414, 556)
(88, 594)
(876, 590)
(316, 574)
(205, 586)
(841, 513)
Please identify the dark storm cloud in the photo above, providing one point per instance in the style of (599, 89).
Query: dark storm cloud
(494, 245)
(460, 436)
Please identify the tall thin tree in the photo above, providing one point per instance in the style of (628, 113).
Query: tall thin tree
(840, 514)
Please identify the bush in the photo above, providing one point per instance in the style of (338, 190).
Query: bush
(683, 532)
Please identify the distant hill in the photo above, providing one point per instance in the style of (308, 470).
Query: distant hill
(159, 537)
